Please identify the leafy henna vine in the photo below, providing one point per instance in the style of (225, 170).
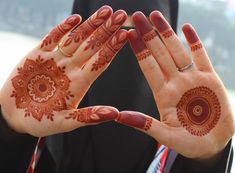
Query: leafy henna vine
(91, 24)
(106, 30)
(109, 50)
(41, 87)
(199, 110)
(92, 115)
(56, 34)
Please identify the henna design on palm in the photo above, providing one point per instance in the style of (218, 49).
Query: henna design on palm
(199, 110)
(41, 87)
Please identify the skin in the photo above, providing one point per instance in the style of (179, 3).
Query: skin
(196, 118)
(43, 92)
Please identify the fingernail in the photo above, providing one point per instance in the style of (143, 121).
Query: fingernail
(119, 17)
(141, 23)
(160, 23)
(105, 114)
(136, 42)
(134, 119)
(190, 34)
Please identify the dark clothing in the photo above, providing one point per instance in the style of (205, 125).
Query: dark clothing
(108, 147)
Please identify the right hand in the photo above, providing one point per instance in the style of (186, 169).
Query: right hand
(42, 93)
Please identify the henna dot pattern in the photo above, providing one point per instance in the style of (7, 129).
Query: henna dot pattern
(199, 110)
(41, 87)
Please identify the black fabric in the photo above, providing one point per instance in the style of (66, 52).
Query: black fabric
(220, 165)
(16, 149)
(169, 8)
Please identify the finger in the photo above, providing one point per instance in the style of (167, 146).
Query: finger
(101, 60)
(93, 43)
(171, 40)
(146, 61)
(198, 51)
(51, 41)
(71, 119)
(78, 35)
(146, 124)
(155, 45)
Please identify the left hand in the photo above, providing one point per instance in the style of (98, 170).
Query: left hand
(196, 119)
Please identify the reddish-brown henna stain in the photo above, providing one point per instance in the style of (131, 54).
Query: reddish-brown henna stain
(143, 55)
(106, 30)
(196, 46)
(90, 25)
(160, 23)
(199, 110)
(93, 115)
(192, 38)
(41, 87)
(135, 119)
(141, 22)
(138, 45)
(56, 34)
(110, 49)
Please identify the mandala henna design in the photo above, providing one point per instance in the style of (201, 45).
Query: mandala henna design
(109, 50)
(56, 34)
(105, 31)
(135, 119)
(199, 110)
(150, 35)
(41, 87)
(92, 115)
(91, 24)
(143, 55)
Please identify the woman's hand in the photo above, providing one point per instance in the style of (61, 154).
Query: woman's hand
(42, 93)
(196, 119)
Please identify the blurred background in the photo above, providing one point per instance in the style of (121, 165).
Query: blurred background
(23, 23)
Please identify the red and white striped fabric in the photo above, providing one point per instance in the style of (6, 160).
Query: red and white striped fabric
(36, 155)
(158, 163)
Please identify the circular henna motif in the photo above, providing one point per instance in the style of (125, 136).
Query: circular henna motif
(199, 110)
(41, 87)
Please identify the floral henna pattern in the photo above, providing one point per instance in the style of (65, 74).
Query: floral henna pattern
(199, 110)
(106, 30)
(41, 87)
(85, 29)
(109, 50)
(56, 34)
(143, 55)
(150, 35)
(92, 115)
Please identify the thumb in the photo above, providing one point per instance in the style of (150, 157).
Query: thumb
(159, 131)
(72, 119)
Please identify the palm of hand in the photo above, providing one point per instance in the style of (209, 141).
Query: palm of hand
(190, 107)
(48, 85)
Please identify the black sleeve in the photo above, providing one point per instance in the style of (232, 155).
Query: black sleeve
(221, 165)
(16, 149)
(81, 7)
